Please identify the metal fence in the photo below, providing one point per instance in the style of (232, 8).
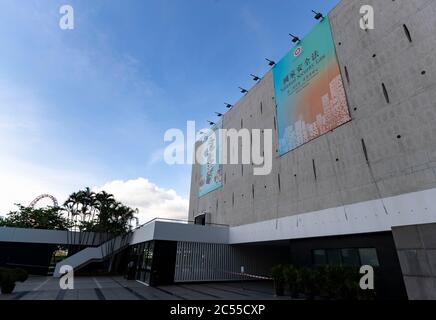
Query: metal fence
(221, 262)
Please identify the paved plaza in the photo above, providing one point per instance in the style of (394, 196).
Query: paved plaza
(118, 288)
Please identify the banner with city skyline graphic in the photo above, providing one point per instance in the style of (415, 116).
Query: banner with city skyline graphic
(210, 167)
(309, 91)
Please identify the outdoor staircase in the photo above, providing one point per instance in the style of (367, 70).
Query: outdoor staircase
(93, 254)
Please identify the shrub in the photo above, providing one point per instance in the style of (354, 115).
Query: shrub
(351, 283)
(279, 279)
(332, 282)
(21, 275)
(321, 280)
(7, 283)
(290, 275)
(8, 277)
(310, 278)
(342, 282)
(3, 273)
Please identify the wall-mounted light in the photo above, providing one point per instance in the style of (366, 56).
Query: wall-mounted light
(318, 15)
(228, 105)
(255, 78)
(295, 39)
(243, 90)
(270, 62)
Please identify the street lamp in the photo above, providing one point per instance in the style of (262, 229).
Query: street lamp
(295, 39)
(318, 15)
(243, 90)
(270, 62)
(255, 78)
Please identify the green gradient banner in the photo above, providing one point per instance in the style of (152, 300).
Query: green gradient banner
(309, 91)
(210, 169)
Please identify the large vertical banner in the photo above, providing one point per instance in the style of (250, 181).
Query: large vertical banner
(210, 167)
(309, 91)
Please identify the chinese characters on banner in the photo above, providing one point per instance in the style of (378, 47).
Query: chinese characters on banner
(210, 169)
(309, 91)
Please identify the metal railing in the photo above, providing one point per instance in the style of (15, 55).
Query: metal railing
(181, 221)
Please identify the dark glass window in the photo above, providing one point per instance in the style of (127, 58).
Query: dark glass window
(368, 256)
(334, 257)
(319, 257)
(142, 255)
(350, 257)
(347, 256)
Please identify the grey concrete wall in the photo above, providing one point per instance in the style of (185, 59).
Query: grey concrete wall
(400, 136)
(171, 231)
(416, 247)
(49, 236)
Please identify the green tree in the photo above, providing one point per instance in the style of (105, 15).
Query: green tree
(98, 212)
(84, 211)
(50, 218)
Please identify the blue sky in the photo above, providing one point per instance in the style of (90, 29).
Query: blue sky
(89, 106)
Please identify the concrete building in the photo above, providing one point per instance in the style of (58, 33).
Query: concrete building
(355, 185)
(361, 193)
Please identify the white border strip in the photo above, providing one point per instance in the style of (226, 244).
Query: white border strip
(364, 217)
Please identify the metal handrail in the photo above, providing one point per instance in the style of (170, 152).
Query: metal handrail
(27, 265)
(178, 221)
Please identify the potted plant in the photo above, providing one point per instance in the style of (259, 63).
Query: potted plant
(290, 274)
(20, 275)
(336, 282)
(352, 287)
(279, 280)
(8, 278)
(300, 283)
(310, 278)
(7, 283)
(329, 286)
(343, 283)
(321, 283)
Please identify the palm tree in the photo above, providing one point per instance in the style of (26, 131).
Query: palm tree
(103, 203)
(98, 213)
(119, 224)
(71, 206)
(89, 210)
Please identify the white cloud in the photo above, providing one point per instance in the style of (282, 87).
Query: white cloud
(151, 200)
